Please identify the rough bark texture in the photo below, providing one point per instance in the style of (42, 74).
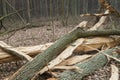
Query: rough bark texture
(28, 71)
(98, 33)
(87, 67)
(41, 60)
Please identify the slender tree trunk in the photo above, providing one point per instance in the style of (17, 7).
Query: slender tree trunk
(46, 8)
(28, 12)
(4, 7)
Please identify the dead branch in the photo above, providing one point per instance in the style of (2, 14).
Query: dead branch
(34, 50)
(41, 60)
(106, 4)
(31, 51)
(100, 22)
(12, 51)
(97, 15)
(16, 11)
(3, 17)
(26, 26)
(65, 54)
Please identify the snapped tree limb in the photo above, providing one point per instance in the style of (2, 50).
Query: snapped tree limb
(88, 66)
(15, 52)
(41, 60)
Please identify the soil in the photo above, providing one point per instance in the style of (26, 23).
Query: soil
(35, 36)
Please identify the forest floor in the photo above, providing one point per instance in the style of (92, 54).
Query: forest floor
(41, 35)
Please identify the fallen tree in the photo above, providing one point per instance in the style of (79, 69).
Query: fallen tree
(96, 42)
(41, 60)
(105, 22)
(88, 66)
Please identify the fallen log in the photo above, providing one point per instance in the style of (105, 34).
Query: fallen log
(89, 66)
(61, 57)
(34, 50)
(41, 60)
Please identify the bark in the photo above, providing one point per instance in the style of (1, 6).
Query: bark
(34, 50)
(41, 60)
(28, 12)
(98, 33)
(4, 7)
(61, 57)
(88, 66)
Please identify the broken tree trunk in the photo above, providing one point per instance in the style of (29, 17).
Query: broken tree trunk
(89, 66)
(96, 43)
(31, 51)
(29, 69)
(41, 60)
(15, 52)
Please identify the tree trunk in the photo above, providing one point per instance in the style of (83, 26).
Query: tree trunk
(4, 7)
(28, 12)
(41, 60)
(88, 66)
(28, 71)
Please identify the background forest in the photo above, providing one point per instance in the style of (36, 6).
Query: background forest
(50, 8)
(51, 15)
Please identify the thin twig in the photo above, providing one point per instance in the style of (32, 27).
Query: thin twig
(16, 11)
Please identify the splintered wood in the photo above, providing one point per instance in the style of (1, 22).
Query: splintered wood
(65, 54)
(67, 59)
(12, 51)
(91, 44)
(114, 73)
(95, 43)
(74, 60)
(30, 50)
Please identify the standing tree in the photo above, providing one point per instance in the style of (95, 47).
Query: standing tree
(28, 12)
